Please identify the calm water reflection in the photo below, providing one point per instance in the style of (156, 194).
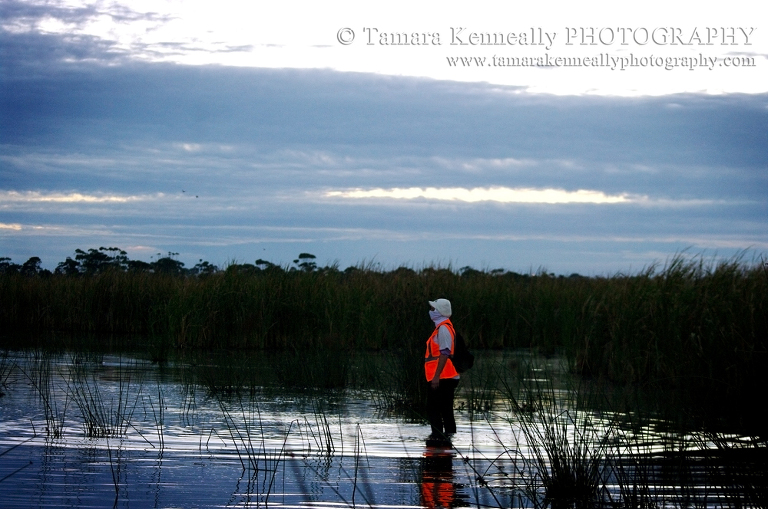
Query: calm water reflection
(101, 430)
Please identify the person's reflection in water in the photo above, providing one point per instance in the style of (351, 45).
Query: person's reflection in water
(437, 487)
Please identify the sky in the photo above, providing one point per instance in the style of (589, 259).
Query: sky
(567, 137)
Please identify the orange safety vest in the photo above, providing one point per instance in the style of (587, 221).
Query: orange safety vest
(432, 354)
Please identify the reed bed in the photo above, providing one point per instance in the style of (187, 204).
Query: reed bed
(694, 328)
(689, 301)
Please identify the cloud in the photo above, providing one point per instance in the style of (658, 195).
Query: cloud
(524, 196)
(8, 197)
(26, 15)
(491, 194)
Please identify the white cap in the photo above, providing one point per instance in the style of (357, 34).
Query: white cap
(442, 306)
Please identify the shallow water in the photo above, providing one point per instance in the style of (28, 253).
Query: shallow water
(110, 430)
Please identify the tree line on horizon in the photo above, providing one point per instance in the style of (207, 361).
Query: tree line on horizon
(98, 261)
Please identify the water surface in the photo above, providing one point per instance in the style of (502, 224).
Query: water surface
(111, 430)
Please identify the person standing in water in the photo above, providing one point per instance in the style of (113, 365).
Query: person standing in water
(441, 375)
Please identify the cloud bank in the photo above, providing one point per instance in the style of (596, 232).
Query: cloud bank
(108, 138)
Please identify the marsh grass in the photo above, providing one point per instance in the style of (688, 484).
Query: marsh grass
(220, 383)
(321, 449)
(158, 416)
(482, 389)
(324, 437)
(6, 367)
(316, 368)
(41, 376)
(693, 329)
(742, 466)
(565, 467)
(242, 428)
(573, 453)
(695, 332)
(370, 309)
(105, 413)
(260, 464)
(395, 381)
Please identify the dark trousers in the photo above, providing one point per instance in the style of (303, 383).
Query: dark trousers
(440, 406)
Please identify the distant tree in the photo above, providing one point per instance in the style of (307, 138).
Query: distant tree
(242, 268)
(403, 271)
(305, 262)
(168, 265)
(8, 267)
(31, 267)
(264, 264)
(203, 268)
(430, 271)
(68, 267)
(139, 266)
(469, 272)
(102, 259)
(516, 276)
